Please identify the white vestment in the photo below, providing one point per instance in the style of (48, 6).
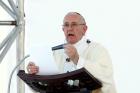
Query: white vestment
(95, 58)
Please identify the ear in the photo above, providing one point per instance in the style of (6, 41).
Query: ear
(85, 29)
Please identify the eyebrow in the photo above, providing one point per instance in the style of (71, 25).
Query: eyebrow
(68, 22)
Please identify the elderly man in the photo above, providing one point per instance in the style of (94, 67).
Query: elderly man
(81, 52)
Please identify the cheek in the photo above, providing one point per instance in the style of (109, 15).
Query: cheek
(78, 36)
(65, 33)
(79, 33)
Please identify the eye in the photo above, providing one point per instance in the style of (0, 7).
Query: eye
(66, 25)
(74, 25)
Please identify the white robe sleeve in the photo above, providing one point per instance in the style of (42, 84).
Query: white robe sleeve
(97, 61)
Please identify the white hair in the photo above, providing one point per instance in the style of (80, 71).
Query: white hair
(76, 13)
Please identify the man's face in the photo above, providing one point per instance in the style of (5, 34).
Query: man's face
(73, 28)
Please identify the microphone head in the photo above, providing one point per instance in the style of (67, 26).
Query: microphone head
(58, 47)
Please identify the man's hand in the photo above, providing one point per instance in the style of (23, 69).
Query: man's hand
(71, 51)
(32, 68)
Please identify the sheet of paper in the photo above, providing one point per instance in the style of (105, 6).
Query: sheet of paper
(42, 56)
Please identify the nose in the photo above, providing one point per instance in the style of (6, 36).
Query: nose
(70, 27)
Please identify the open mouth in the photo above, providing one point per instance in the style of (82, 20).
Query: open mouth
(70, 34)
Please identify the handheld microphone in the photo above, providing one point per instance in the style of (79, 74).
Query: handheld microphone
(58, 47)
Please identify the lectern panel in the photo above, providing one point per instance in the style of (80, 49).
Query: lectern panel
(59, 83)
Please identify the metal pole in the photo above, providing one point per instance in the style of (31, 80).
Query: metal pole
(20, 43)
(7, 9)
(17, 13)
(7, 23)
(9, 43)
(13, 6)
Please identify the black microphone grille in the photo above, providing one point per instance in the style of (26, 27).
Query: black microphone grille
(58, 47)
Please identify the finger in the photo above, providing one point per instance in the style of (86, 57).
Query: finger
(31, 64)
(33, 70)
(67, 46)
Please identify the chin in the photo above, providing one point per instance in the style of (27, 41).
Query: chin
(71, 42)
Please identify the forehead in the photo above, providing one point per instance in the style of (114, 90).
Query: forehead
(72, 18)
